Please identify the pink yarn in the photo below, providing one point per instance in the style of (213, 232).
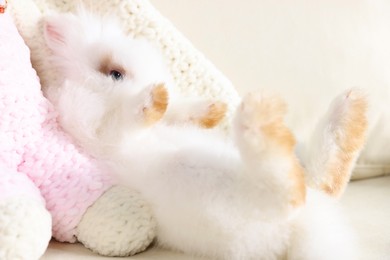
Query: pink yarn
(37, 159)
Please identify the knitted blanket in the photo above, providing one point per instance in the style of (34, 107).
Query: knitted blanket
(35, 153)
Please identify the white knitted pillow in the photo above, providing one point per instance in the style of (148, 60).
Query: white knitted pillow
(192, 72)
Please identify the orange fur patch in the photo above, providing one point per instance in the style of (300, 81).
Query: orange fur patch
(281, 135)
(298, 187)
(270, 112)
(338, 178)
(214, 115)
(158, 106)
(350, 139)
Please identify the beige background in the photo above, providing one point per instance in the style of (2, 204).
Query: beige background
(298, 44)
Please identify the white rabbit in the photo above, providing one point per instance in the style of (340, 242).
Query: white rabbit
(245, 198)
(97, 54)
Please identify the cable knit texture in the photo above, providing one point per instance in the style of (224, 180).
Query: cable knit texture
(37, 159)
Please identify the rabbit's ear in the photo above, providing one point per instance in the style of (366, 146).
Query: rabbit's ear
(57, 30)
(53, 32)
(337, 142)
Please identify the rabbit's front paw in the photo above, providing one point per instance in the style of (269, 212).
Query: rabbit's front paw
(212, 116)
(156, 108)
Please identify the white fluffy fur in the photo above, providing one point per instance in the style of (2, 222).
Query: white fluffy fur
(212, 197)
(78, 57)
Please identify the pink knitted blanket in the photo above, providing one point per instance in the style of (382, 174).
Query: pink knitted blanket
(37, 159)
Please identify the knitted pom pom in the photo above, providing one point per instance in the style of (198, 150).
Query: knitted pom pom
(120, 223)
(20, 237)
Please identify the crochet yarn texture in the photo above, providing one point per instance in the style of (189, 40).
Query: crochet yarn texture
(39, 161)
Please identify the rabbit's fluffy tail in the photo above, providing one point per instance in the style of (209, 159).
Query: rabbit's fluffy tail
(336, 143)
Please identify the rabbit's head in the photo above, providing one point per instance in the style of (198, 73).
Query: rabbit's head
(108, 82)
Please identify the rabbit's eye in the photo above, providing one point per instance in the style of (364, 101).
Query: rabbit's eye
(116, 75)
